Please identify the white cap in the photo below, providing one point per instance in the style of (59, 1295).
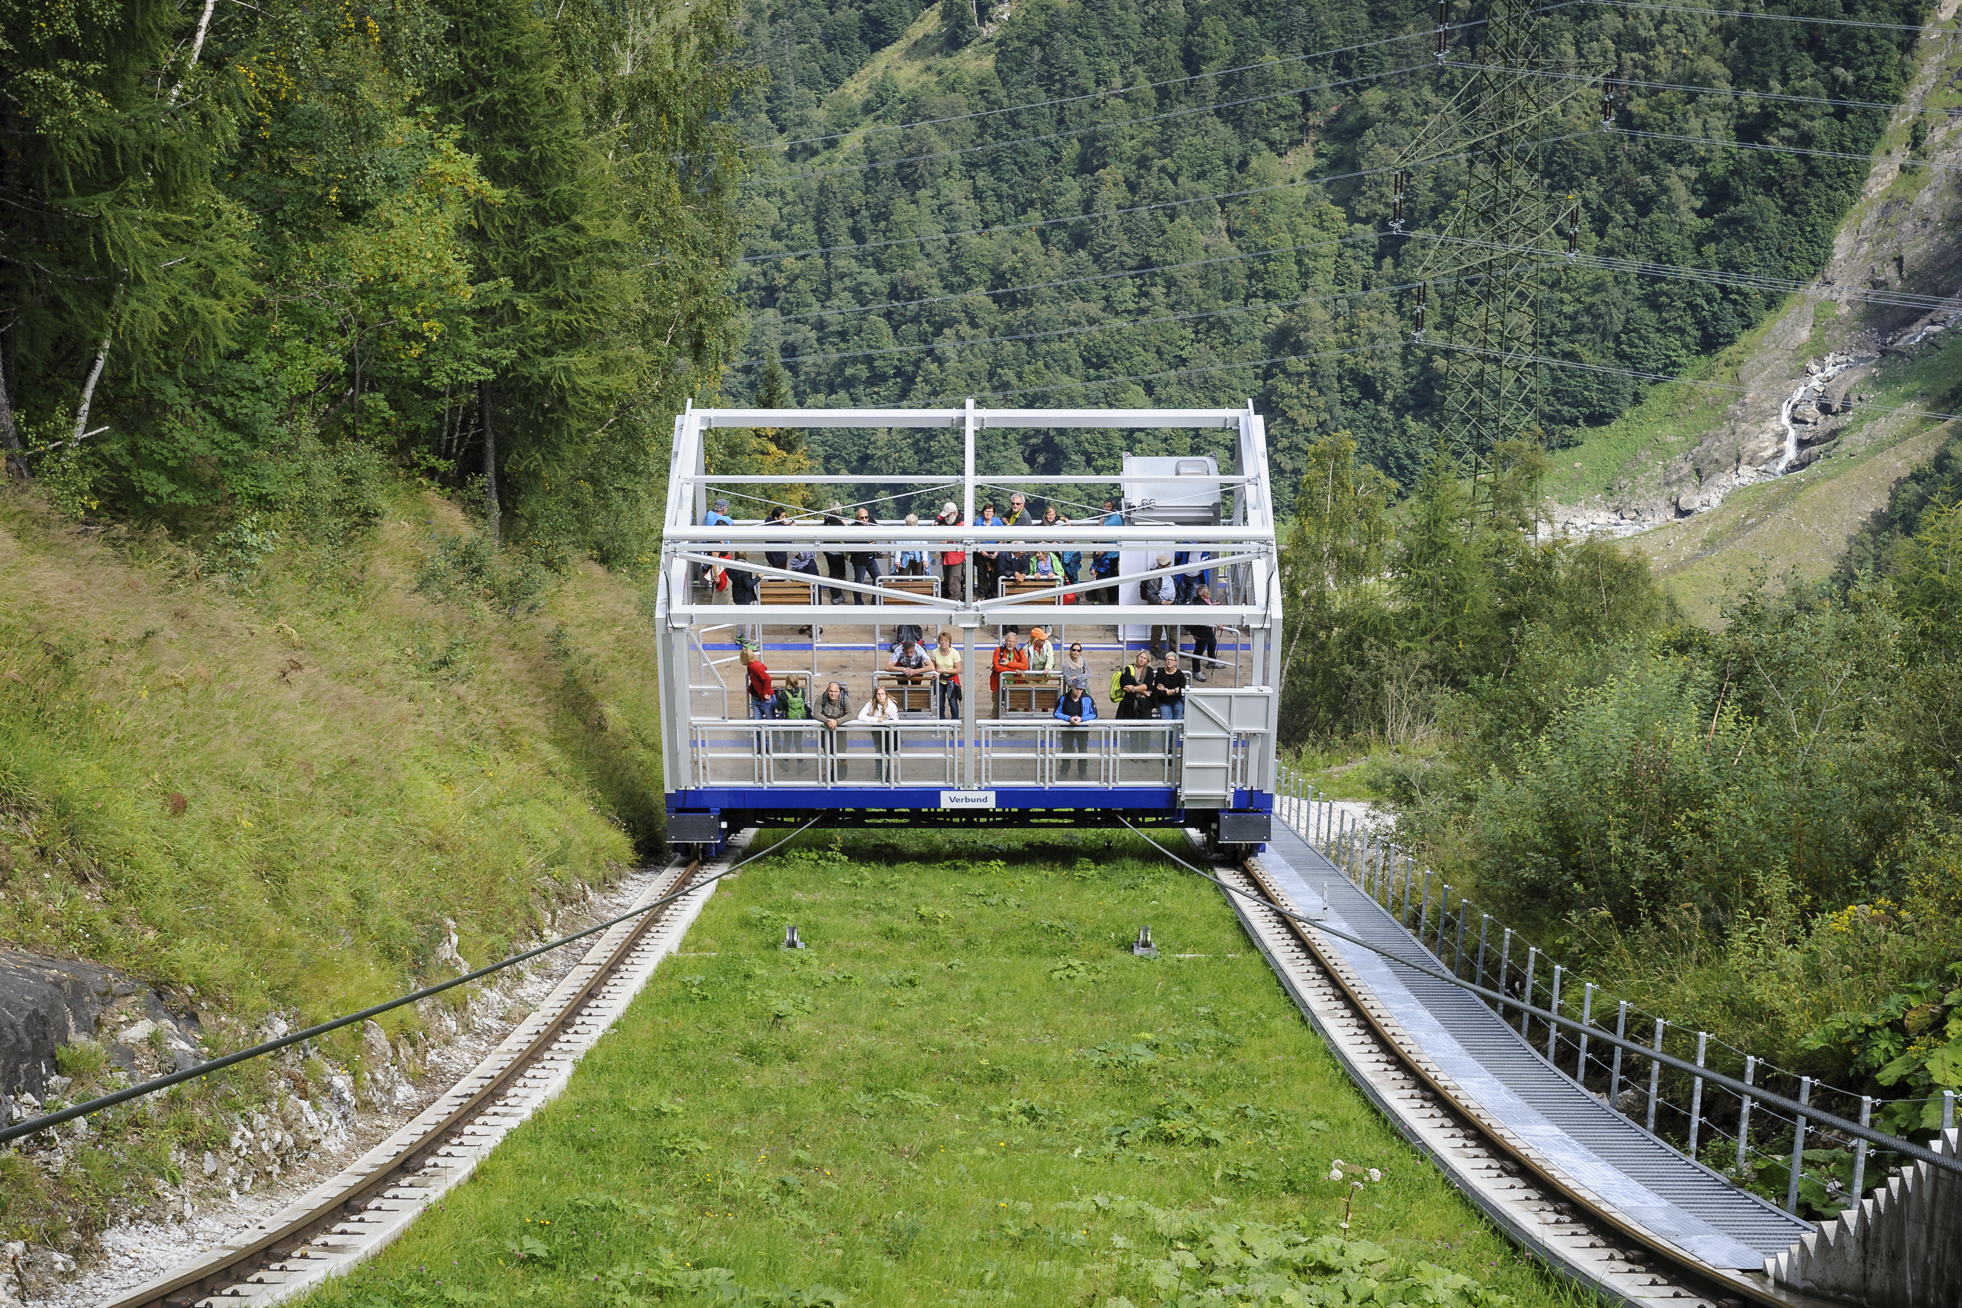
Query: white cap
(949, 507)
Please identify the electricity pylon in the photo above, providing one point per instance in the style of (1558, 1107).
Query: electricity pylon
(1489, 257)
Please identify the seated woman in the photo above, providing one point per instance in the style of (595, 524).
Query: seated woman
(882, 708)
(1075, 708)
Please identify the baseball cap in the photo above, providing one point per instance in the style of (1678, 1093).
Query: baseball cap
(1164, 560)
(949, 508)
(722, 506)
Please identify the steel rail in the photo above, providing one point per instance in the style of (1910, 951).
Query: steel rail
(1690, 1277)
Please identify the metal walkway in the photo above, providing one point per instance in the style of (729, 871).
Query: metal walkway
(1493, 1066)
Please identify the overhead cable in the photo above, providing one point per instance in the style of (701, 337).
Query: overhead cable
(1770, 17)
(1087, 277)
(1067, 133)
(1169, 372)
(1113, 92)
(1734, 388)
(1080, 331)
(1775, 149)
(1619, 82)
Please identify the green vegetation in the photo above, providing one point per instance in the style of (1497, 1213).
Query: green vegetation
(966, 1090)
(488, 240)
(1181, 184)
(267, 777)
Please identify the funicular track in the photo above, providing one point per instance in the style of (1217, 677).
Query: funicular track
(1514, 1179)
(363, 1208)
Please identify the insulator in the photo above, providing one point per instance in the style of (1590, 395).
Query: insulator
(1441, 39)
(1399, 180)
(1418, 335)
(1608, 105)
(1443, 13)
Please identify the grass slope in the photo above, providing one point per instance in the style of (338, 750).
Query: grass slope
(966, 1091)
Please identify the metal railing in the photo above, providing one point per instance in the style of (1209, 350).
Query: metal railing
(1470, 944)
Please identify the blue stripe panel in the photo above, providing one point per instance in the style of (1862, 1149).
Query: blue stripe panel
(765, 799)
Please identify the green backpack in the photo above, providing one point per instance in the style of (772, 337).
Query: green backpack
(1117, 684)
(793, 705)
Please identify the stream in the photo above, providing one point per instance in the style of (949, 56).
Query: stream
(1811, 387)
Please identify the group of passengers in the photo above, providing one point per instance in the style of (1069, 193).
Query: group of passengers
(1005, 558)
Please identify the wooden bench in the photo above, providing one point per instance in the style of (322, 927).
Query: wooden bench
(911, 699)
(775, 590)
(929, 587)
(1028, 698)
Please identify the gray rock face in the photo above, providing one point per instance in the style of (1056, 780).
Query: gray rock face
(46, 1003)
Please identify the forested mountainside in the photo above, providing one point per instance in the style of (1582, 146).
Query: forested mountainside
(1211, 173)
(484, 239)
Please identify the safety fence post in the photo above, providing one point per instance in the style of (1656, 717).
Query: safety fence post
(1798, 1149)
(1458, 949)
(1553, 1028)
(1505, 970)
(1614, 1067)
(1525, 1013)
(1948, 1110)
(1587, 1018)
(1484, 925)
(1860, 1153)
(1696, 1092)
(1424, 908)
(1655, 1075)
(1744, 1111)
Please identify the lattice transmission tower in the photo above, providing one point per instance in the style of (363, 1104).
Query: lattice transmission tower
(1487, 262)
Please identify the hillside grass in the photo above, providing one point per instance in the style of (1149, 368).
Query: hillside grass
(267, 783)
(966, 1090)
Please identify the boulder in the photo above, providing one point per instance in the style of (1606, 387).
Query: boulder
(46, 1003)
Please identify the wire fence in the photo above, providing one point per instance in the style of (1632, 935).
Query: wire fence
(1786, 1157)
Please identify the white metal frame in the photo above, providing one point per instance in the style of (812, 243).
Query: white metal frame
(1244, 548)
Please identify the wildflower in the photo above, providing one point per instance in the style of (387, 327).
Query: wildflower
(1375, 1175)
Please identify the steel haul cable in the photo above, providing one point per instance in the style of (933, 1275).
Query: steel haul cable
(93, 1106)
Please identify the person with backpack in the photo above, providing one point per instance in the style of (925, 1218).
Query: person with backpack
(762, 691)
(794, 705)
(1131, 687)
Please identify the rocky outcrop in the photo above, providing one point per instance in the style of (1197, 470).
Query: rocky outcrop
(49, 1003)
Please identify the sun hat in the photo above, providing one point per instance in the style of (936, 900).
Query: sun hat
(1037, 633)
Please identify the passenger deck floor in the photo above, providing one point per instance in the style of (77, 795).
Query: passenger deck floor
(1640, 1174)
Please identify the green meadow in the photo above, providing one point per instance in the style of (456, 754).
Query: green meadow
(965, 1090)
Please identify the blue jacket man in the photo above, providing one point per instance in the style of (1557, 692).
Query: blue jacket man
(1075, 708)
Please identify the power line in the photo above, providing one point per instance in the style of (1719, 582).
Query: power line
(1740, 13)
(1082, 331)
(1088, 277)
(1172, 372)
(1143, 208)
(1774, 149)
(1079, 131)
(1735, 92)
(1731, 387)
(1276, 62)
(1742, 280)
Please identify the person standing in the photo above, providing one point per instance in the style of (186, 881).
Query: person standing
(716, 577)
(909, 557)
(777, 518)
(1076, 669)
(1134, 703)
(947, 674)
(987, 562)
(953, 562)
(1168, 689)
(865, 563)
(1205, 637)
(1158, 590)
(881, 709)
(1041, 653)
(1018, 511)
(1103, 566)
(833, 708)
(1075, 708)
(834, 563)
(1008, 657)
(762, 691)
